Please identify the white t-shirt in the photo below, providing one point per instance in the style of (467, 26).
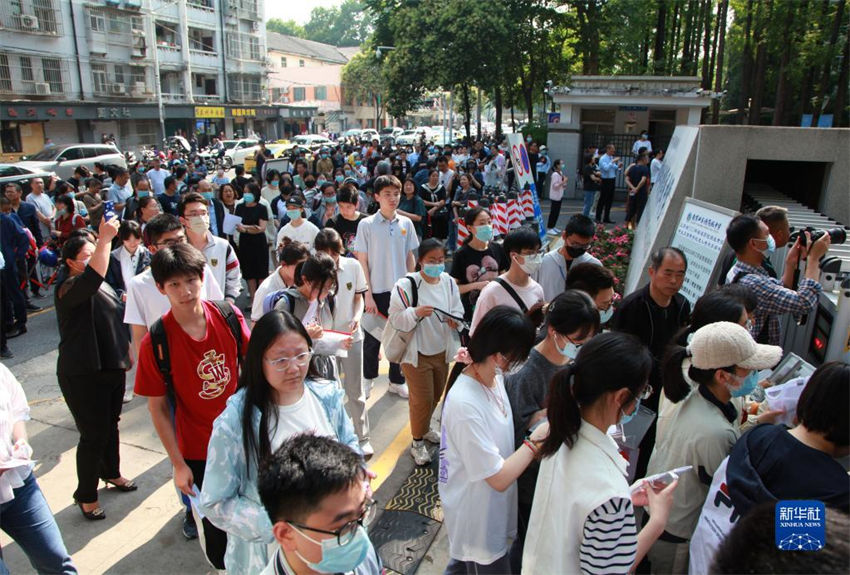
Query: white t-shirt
(157, 178)
(269, 285)
(13, 408)
(305, 233)
(494, 294)
(350, 280)
(145, 304)
(654, 169)
(45, 207)
(430, 334)
(476, 440)
(304, 416)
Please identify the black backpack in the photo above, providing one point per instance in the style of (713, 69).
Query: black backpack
(159, 341)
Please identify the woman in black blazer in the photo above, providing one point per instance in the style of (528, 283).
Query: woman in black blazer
(94, 355)
(132, 250)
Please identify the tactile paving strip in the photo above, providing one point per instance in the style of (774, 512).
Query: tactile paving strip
(419, 493)
(402, 538)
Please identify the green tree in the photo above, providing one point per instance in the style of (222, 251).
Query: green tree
(363, 82)
(285, 27)
(346, 25)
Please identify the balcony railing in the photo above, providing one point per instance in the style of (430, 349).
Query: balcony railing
(32, 16)
(174, 97)
(208, 97)
(26, 75)
(204, 58)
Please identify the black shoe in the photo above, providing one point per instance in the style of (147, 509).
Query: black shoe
(37, 295)
(32, 307)
(6, 353)
(190, 530)
(16, 331)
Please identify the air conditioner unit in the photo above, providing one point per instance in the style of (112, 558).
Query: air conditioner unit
(42, 89)
(29, 22)
(117, 89)
(255, 26)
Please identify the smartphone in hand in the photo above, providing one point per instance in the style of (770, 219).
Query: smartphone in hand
(108, 210)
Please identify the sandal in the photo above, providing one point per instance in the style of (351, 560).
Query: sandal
(128, 485)
(93, 515)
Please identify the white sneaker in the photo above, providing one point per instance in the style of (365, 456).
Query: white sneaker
(368, 384)
(420, 453)
(400, 389)
(367, 449)
(128, 396)
(432, 437)
(552, 232)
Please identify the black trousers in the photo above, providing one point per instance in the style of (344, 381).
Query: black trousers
(372, 347)
(213, 539)
(606, 198)
(554, 213)
(95, 401)
(14, 302)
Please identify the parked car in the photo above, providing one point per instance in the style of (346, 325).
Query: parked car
(64, 159)
(352, 133)
(235, 155)
(366, 136)
(312, 141)
(13, 173)
(393, 131)
(407, 138)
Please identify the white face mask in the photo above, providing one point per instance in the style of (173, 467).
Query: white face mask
(199, 224)
(532, 263)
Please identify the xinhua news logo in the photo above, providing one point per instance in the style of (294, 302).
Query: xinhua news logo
(800, 525)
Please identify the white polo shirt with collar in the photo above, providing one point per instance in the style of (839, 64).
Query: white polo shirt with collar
(386, 243)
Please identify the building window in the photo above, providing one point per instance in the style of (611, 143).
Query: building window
(300, 63)
(321, 92)
(137, 75)
(97, 22)
(5, 74)
(52, 69)
(10, 136)
(119, 74)
(283, 61)
(26, 69)
(299, 94)
(44, 11)
(98, 74)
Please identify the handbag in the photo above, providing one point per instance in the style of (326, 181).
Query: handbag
(395, 342)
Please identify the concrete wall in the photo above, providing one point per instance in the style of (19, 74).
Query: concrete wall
(723, 151)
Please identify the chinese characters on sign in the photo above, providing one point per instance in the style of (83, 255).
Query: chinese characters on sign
(113, 113)
(800, 525)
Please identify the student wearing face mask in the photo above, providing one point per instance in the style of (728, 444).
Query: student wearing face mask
(514, 288)
(325, 205)
(708, 377)
(578, 237)
(251, 242)
(271, 190)
(479, 464)
(221, 257)
(597, 282)
(583, 518)
(298, 228)
(427, 302)
(571, 320)
(128, 260)
(290, 254)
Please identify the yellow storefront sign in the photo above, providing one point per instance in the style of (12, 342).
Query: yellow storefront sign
(204, 112)
(243, 112)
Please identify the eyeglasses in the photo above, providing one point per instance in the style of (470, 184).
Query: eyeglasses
(171, 243)
(197, 213)
(282, 363)
(644, 394)
(345, 534)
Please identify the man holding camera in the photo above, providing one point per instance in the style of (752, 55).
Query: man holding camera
(750, 239)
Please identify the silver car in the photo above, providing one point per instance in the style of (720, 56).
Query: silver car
(12, 173)
(64, 159)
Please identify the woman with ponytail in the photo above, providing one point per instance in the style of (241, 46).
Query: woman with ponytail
(478, 462)
(720, 364)
(583, 519)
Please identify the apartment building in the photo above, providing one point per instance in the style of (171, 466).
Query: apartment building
(73, 70)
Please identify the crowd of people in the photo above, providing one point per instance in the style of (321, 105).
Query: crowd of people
(535, 364)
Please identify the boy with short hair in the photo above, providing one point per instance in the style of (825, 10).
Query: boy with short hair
(317, 495)
(578, 236)
(203, 354)
(515, 287)
(384, 245)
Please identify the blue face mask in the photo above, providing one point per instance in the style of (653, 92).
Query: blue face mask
(207, 195)
(336, 558)
(771, 245)
(275, 183)
(433, 270)
(143, 194)
(570, 350)
(71, 195)
(627, 417)
(293, 214)
(484, 232)
(249, 198)
(339, 179)
(329, 199)
(748, 385)
(606, 315)
(141, 169)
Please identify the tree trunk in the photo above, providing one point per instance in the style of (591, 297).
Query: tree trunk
(685, 64)
(837, 21)
(478, 114)
(761, 67)
(497, 100)
(673, 49)
(841, 118)
(466, 110)
(660, 37)
(706, 47)
(714, 39)
(721, 45)
(746, 65)
(513, 120)
(782, 91)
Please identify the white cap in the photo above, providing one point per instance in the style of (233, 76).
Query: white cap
(724, 344)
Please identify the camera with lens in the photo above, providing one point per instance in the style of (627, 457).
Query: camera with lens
(836, 235)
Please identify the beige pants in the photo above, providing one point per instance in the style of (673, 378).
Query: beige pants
(425, 383)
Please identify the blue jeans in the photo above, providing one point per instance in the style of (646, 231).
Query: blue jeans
(588, 202)
(451, 244)
(28, 520)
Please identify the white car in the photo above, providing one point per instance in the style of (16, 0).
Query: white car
(14, 173)
(235, 154)
(312, 141)
(66, 158)
(407, 138)
(366, 136)
(352, 133)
